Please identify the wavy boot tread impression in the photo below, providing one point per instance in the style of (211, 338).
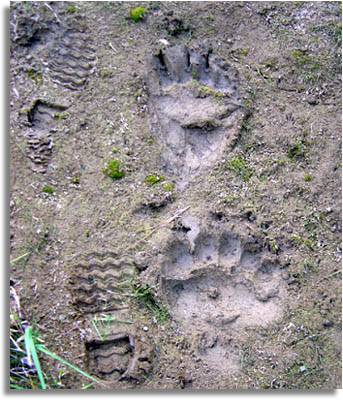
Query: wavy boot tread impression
(121, 356)
(100, 281)
(72, 56)
(43, 116)
(221, 283)
(62, 42)
(195, 107)
(115, 347)
(109, 358)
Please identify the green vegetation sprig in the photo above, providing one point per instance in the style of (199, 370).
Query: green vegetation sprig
(113, 170)
(137, 14)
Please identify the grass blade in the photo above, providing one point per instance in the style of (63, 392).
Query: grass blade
(97, 330)
(31, 351)
(13, 386)
(19, 258)
(43, 349)
(87, 386)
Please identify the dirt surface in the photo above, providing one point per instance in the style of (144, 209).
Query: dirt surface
(176, 191)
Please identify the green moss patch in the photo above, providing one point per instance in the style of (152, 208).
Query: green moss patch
(152, 179)
(137, 13)
(237, 165)
(113, 170)
(48, 190)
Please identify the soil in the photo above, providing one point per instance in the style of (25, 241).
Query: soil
(175, 191)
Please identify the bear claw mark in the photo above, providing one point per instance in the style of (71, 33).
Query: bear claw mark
(194, 101)
(221, 273)
(180, 64)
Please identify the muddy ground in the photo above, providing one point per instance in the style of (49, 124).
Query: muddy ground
(175, 191)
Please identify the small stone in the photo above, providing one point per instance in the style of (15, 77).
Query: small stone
(312, 100)
(145, 329)
(327, 323)
(213, 293)
(164, 42)
(285, 275)
(291, 327)
(230, 318)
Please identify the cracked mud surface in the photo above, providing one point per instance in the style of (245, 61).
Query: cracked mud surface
(213, 261)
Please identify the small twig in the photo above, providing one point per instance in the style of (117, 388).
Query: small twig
(14, 28)
(16, 92)
(54, 12)
(330, 275)
(110, 44)
(334, 273)
(161, 225)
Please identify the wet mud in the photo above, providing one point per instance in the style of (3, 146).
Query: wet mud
(213, 259)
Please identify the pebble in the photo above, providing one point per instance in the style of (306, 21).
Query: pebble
(145, 329)
(164, 42)
(284, 275)
(327, 323)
